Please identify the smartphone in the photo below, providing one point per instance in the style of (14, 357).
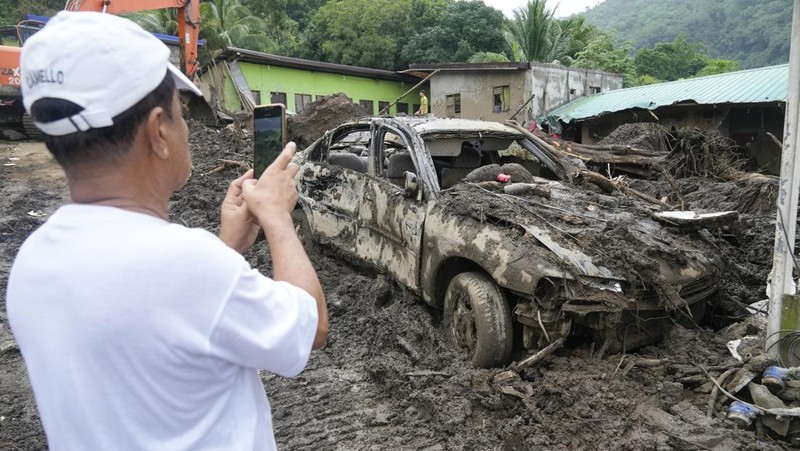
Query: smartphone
(269, 135)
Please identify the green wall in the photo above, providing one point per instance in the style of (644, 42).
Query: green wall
(267, 79)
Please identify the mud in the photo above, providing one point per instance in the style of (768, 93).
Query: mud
(320, 116)
(388, 377)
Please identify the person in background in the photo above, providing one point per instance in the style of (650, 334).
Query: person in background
(138, 333)
(423, 104)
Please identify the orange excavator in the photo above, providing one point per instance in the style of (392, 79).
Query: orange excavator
(13, 37)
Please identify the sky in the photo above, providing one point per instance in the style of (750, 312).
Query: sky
(565, 7)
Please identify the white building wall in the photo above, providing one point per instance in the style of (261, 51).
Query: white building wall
(555, 85)
(551, 85)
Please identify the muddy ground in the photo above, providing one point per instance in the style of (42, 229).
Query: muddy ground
(388, 377)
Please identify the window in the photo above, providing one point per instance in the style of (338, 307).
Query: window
(453, 105)
(594, 89)
(402, 107)
(501, 98)
(368, 105)
(383, 105)
(256, 97)
(301, 101)
(277, 97)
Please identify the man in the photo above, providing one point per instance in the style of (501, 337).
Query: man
(423, 104)
(138, 333)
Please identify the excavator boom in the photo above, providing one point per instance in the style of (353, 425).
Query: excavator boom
(188, 21)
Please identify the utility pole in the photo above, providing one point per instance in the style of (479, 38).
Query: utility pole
(788, 188)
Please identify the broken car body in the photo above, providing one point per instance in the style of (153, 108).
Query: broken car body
(538, 258)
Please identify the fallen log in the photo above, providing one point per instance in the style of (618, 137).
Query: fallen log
(610, 185)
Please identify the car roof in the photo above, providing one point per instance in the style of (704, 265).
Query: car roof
(431, 125)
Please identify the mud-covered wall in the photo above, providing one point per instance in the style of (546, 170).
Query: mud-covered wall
(554, 85)
(476, 91)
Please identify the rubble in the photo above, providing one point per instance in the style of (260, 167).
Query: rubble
(320, 116)
(365, 390)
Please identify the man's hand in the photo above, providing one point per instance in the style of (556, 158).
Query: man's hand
(238, 228)
(272, 198)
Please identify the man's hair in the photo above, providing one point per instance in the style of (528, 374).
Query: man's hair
(422, 91)
(100, 145)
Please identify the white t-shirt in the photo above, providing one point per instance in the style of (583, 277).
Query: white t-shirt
(141, 334)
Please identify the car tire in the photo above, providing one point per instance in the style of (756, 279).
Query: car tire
(478, 318)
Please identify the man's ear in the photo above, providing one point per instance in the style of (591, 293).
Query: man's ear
(156, 128)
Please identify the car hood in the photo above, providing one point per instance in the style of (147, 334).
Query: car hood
(593, 234)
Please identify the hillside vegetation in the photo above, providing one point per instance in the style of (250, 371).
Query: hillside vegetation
(754, 32)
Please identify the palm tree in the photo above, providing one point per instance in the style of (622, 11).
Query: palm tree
(164, 21)
(227, 23)
(541, 37)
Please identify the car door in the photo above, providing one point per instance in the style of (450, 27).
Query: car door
(330, 187)
(390, 233)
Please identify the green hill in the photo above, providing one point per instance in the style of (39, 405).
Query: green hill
(754, 32)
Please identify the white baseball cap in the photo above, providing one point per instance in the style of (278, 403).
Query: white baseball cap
(101, 62)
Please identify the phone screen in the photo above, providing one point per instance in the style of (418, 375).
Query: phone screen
(269, 128)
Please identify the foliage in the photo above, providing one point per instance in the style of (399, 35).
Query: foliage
(714, 67)
(672, 60)
(488, 57)
(543, 38)
(601, 54)
(13, 11)
(359, 32)
(281, 29)
(754, 33)
(228, 23)
(163, 21)
(463, 29)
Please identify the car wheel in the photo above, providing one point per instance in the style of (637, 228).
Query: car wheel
(479, 319)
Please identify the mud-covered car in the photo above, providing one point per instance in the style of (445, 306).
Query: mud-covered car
(502, 234)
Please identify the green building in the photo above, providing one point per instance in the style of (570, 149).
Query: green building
(239, 79)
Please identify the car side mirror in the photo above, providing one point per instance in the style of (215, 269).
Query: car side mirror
(410, 184)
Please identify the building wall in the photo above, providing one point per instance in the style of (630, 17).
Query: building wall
(551, 85)
(266, 79)
(475, 89)
(554, 85)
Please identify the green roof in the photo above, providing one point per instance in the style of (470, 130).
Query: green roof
(764, 85)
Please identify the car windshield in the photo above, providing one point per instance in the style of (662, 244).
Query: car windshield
(479, 158)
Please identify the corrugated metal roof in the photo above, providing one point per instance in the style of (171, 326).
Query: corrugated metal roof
(764, 85)
(251, 56)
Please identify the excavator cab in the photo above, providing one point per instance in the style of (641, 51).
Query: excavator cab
(11, 39)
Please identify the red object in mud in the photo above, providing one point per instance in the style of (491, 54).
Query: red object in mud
(503, 178)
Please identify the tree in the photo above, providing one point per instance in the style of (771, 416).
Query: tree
(488, 57)
(714, 67)
(543, 38)
(164, 21)
(463, 29)
(672, 60)
(281, 29)
(228, 23)
(601, 54)
(360, 32)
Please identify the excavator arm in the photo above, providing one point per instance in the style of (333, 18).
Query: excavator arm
(188, 21)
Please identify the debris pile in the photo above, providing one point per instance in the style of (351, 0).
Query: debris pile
(389, 377)
(320, 116)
